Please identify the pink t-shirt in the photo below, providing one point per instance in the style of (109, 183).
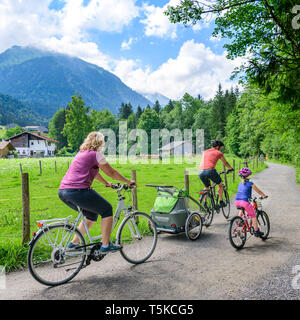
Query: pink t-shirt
(210, 159)
(82, 170)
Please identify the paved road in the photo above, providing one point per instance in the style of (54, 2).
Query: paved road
(208, 268)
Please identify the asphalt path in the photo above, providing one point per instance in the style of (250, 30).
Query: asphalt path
(209, 268)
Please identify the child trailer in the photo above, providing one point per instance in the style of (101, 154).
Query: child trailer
(171, 212)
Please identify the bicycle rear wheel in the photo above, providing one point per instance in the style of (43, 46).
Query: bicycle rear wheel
(193, 226)
(226, 210)
(50, 262)
(263, 223)
(137, 240)
(207, 203)
(237, 232)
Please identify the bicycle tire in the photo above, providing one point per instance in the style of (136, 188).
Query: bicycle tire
(32, 268)
(234, 223)
(193, 226)
(226, 210)
(263, 219)
(209, 208)
(130, 242)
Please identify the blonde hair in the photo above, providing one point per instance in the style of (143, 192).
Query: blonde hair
(94, 141)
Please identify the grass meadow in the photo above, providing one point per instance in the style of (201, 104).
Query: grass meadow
(45, 204)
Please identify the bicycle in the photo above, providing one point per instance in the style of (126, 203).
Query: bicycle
(240, 226)
(209, 199)
(51, 261)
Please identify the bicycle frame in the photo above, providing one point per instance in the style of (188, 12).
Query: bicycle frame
(121, 207)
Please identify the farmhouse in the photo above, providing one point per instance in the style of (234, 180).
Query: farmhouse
(5, 148)
(29, 144)
(177, 148)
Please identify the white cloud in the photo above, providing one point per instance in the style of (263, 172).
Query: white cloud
(126, 45)
(196, 70)
(157, 23)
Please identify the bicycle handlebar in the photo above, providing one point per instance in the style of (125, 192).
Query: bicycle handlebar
(121, 186)
(226, 172)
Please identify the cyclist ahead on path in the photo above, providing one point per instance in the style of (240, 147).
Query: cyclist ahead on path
(244, 194)
(207, 168)
(75, 188)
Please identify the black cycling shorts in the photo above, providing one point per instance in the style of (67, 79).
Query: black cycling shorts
(210, 174)
(91, 203)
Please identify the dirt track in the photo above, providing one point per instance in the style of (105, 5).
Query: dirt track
(208, 268)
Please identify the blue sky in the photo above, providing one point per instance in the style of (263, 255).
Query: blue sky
(131, 38)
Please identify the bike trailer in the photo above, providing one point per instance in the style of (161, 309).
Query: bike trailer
(170, 210)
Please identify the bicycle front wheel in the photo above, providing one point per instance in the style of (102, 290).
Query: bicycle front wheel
(137, 240)
(263, 223)
(50, 261)
(226, 210)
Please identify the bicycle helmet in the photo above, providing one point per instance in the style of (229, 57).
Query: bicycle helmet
(216, 143)
(245, 172)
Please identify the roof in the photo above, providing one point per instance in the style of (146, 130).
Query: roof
(36, 135)
(4, 144)
(173, 145)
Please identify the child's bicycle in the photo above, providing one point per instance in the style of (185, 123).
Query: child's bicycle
(52, 262)
(239, 227)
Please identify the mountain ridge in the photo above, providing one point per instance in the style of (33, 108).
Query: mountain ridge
(46, 81)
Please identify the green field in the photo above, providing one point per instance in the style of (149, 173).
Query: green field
(45, 204)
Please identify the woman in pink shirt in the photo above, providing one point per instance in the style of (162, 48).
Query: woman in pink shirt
(75, 188)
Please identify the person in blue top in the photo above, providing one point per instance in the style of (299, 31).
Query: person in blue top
(243, 196)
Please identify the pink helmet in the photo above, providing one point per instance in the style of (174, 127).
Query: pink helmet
(245, 172)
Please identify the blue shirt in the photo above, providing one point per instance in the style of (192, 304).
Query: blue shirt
(244, 191)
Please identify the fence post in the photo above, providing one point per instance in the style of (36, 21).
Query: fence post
(134, 191)
(233, 173)
(40, 163)
(21, 169)
(225, 177)
(25, 208)
(186, 181)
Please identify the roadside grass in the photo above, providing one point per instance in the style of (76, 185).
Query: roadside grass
(45, 204)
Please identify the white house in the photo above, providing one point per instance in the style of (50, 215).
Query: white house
(29, 144)
(177, 148)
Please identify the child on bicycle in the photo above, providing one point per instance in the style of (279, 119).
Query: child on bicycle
(243, 196)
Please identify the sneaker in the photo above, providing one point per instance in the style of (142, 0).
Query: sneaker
(73, 245)
(111, 248)
(222, 204)
(258, 233)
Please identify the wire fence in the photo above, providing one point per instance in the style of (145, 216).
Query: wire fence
(17, 215)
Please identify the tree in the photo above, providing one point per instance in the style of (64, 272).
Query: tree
(13, 132)
(139, 112)
(263, 28)
(157, 107)
(56, 127)
(125, 111)
(78, 122)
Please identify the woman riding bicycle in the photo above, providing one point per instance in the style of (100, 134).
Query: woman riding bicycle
(207, 168)
(244, 194)
(75, 188)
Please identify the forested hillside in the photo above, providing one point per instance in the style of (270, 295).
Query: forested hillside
(14, 111)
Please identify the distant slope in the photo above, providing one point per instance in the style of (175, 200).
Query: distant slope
(14, 111)
(163, 100)
(45, 81)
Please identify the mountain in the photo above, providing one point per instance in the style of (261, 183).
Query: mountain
(45, 81)
(14, 111)
(153, 97)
